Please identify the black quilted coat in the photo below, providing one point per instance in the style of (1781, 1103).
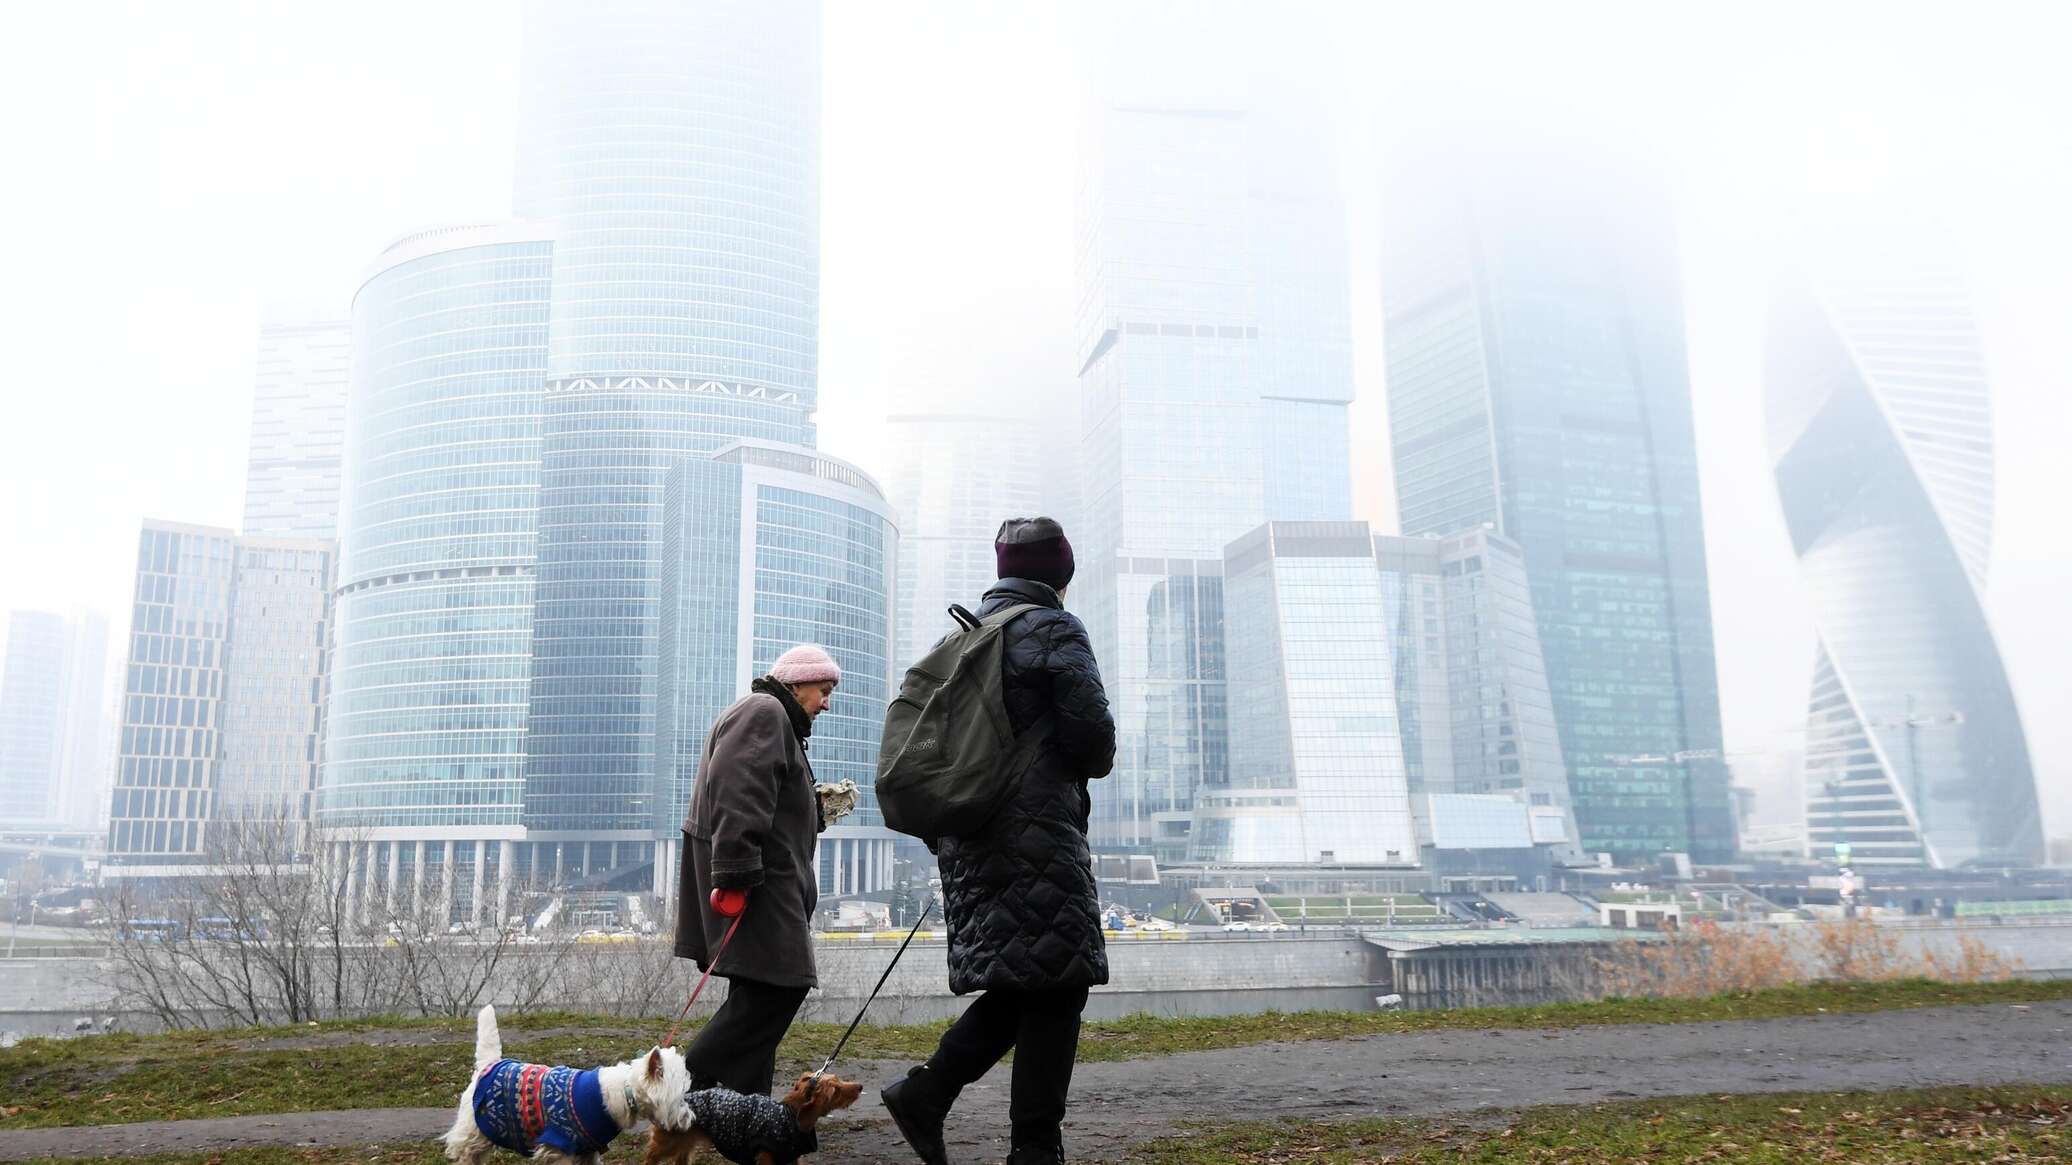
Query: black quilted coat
(1023, 910)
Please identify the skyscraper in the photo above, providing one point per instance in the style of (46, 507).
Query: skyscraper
(1215, 369)
(223, 692)
(430, 683)
(954, 477)
(1316, 756)
(171, 747)
(1537, 384)
(31, 713)
(275, 673)
(1881, 428)
(813, 539)
(1471, 680)
(298, 430)
(674, 150)
(85, 752)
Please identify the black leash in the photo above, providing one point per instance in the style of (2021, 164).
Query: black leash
(839, 1044)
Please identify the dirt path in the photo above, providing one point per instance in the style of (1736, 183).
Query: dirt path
(1433, 1073)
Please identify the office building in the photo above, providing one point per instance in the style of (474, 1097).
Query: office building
(1388, 707)
(952, 479)
(1213, 340)
(85, 741)
(31, 717)
(171, 744)
(674, 150)
(1476, 715)
(1880, 418)
(275, 672)
(1538, 387)
(298, 430)
(1316, 769)
(769, 546)
(432, 668)
(223, 694)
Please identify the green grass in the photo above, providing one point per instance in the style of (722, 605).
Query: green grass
(119, 1078)
(1951, 1126)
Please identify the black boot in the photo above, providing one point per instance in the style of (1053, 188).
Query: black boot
(919, 1107)
(1036, 1155)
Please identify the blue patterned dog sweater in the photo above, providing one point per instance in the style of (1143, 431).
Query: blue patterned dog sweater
(521, 1106)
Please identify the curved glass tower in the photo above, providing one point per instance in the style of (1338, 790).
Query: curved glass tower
(1881, 429)
(435, 585)
(675, 149)
(767, 546)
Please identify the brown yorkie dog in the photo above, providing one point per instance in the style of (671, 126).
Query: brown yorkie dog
(753, 1130)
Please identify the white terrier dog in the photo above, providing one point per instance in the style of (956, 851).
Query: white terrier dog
(561, 1114)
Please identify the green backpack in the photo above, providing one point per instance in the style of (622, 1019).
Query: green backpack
(949, 759)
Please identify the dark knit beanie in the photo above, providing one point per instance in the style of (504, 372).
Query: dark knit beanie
(1034, 548)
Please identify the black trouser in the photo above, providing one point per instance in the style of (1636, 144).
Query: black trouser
(1042, 1029)
(737, 1047)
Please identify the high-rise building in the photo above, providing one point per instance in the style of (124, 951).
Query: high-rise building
(32, 706)
(223, 693)
(431, 673)
(1471, 680)
(171, 748)
(274, 678)
(85, 744)
(1316, 757)
(1881, 428)
(953, 479)
(1537, 385)
(674, 149)
(1215, 370)
(298, 430)
(767, 546)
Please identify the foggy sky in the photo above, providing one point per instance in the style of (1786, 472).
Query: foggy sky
(182, 171)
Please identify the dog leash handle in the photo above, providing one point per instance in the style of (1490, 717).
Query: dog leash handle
(726, 938)
(874, 991)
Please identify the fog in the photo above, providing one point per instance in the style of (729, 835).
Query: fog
(181, 172)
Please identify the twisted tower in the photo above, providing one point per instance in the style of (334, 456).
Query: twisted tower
(1881, 430)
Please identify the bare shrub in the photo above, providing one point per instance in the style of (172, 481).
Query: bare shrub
(1700, 960)
(1974, 962)
(260, 934)
(1707, 959)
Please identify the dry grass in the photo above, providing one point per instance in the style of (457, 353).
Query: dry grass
(1706, 959)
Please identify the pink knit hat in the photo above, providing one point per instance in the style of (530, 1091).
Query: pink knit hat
(805, 664)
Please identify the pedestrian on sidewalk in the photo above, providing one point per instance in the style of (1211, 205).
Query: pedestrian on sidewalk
(748, 850)
(1019, 894)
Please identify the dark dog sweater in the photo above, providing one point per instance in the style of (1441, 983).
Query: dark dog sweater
(742, 1125)
(522, 1106)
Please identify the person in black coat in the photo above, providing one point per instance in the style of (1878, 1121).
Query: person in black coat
(1022, 905)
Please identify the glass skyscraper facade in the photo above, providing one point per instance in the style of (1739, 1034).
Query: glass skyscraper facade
(1881, 428)
(1316, 770)
(1214, 341)
(1538, 385)
(31, 714)
(767, 546)
(275, 675)
(431, 675)
(298, 430)
(952, 479)
(171, 745)
(674, 148)
(1471, 680)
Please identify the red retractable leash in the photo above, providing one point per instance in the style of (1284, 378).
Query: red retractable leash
(706, 977)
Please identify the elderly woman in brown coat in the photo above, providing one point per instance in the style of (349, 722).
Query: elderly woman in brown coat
(748, 855)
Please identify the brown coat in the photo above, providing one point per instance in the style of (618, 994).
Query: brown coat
(754, 822)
